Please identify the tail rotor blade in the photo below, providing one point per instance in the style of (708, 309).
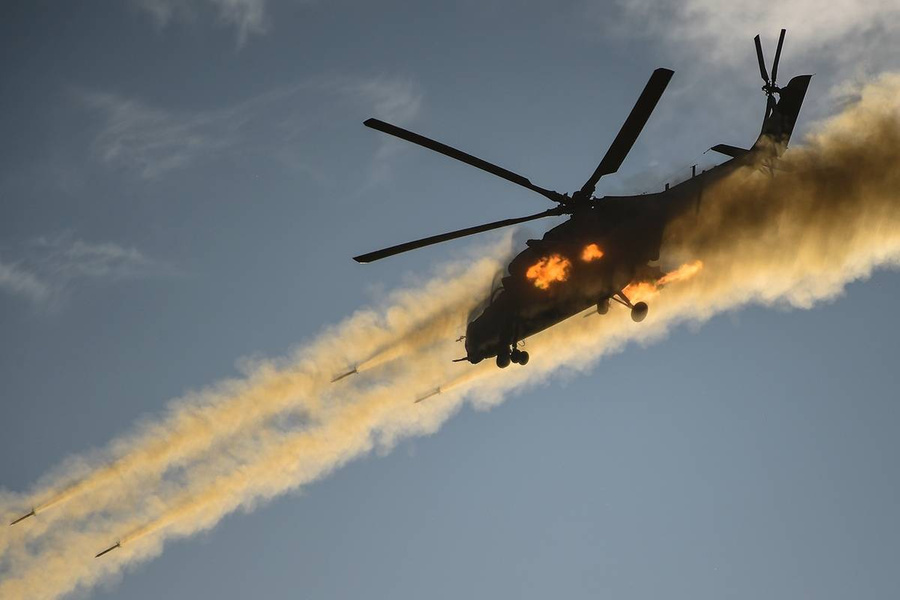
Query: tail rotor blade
(762, 63)
(777, 57)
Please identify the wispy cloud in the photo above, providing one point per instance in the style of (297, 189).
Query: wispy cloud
(395, 102)
(152, 141)
(848, 39)
(66, 258)
(717, 28)
(20, 282)
(248, 17)
(48, 266)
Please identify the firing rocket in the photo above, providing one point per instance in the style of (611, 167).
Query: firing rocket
(347, 374)
(23, 517)
(433, 392)
(110, 549)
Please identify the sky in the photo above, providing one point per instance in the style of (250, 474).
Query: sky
(184, 184)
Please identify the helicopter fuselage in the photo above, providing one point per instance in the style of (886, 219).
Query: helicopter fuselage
(626, 230)
(608, 243)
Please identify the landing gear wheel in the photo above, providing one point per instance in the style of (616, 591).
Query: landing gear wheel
(639, 312)
(603, 307)
(503, 360)
(520, 357)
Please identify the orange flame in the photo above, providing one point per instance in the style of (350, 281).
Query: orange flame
(644, 290)
(591, 252)
(640, 292)
(549, 269)
(682, 273)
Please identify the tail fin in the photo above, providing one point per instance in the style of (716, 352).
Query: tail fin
(779, 123)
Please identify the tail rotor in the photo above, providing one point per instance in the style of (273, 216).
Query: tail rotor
(770, 87)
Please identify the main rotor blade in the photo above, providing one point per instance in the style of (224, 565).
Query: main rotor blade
(777, 57)
(446, 150)
(631, 129)
(444, 237)
(762, 63)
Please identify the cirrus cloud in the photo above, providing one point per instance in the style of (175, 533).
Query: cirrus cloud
(248, 17)
(852, 39)
(48, 266)
(153, 141)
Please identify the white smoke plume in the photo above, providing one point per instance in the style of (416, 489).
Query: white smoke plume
(793, 238)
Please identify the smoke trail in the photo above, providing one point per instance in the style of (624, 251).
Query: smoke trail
(794, 238)
(198, 422)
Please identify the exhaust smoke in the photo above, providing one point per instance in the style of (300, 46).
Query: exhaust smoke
(795, 238)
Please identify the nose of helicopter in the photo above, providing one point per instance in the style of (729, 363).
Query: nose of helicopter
(482, 340)
(473, 345)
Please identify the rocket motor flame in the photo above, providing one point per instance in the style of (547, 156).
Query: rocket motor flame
(682, 273)
(556, 268)
(548, 270)
(591, 253)
(645, 290)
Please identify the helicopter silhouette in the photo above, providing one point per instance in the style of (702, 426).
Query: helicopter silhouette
(606, 247)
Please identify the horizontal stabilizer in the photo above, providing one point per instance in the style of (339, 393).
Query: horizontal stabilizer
(732, 151)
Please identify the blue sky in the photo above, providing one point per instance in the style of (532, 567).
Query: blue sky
(184, 184)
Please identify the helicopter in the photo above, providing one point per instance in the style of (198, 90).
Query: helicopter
(606, 247)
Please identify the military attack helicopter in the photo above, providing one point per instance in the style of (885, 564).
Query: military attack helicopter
(604, 250)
